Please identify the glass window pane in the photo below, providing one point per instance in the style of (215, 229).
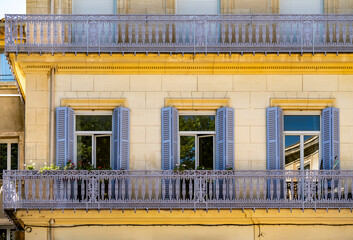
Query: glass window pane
(301, 123)
(103, 152)
(14, 156)
(93, 122)
(84, 151)
(292, 152)
(311, 152)
(196, 123)
(187, 152)
(3, 157)
(206, 153)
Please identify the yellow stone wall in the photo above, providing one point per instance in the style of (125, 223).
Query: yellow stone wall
(249, 94)
(37, 118)
(192, 233)
(238, 224)
(168, 6)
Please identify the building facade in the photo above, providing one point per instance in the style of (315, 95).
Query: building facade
(183, 119)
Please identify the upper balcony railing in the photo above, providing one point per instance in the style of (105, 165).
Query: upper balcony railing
(179, 33)
(177, 189)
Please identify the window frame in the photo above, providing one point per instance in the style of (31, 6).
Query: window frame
(301, 134)
(93, 135)
(196, 134)
(10, 141)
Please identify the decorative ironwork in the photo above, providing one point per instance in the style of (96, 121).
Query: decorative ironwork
(202, 189)
(178, 33)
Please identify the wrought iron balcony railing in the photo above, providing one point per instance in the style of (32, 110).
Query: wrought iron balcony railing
(179, 33)
(177, 189)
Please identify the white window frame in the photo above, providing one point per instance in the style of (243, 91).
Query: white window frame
(93, 134)
(301, 134)
(10, 141)
(196, 134)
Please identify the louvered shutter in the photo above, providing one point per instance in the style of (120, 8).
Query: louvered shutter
(5, 70)
(224, 138)
(275, 159)
(121, 138)
(64, 135)
(169, 137)
(330, 138)
(275, 155)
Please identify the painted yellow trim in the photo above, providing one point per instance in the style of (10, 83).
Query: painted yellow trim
(196, 104)
(212, 217)
(19, 74)
(93, 103)
(188, 63)
(302, 104)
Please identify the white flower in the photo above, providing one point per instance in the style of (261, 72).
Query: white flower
(30, 161)
(177, 165)
(45, 163)
(34, 164)
(183, 165)
(24, 164)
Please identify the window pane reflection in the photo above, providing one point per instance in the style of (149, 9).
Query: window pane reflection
(187, 151)
(301, 123)
(196, 123)
(84, 151)
(14, 156)
(311, 152)
(93, 123)
(292, 152)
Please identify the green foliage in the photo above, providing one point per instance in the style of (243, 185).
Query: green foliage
(93, 122)
(196, 123)
(48, 168)
(30, 166)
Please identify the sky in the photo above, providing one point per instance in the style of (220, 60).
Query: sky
(12, 6)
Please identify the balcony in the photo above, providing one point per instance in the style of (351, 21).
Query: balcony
(177, 189)
(179, 34)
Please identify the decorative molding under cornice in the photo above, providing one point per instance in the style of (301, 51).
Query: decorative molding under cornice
(302, 104)
(196, 104)
(93, 103)
(188, 64)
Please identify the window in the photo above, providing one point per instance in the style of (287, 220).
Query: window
(294, 141)
(101, 140)
(5, 72)
(197, 141)
(302, 142)
(9, 159)
(10, 234)
(301, 6)
(93, 139)
(198, 7)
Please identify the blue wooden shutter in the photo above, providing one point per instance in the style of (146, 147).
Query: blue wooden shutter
(121, 138)
(224, 138)
(330, 138)
(5, 71)
(169, 137)
(64, 135)
(275, 159)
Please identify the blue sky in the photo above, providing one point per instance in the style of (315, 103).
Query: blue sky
(12, 6)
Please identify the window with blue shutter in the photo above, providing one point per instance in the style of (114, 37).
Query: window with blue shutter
(169, 137)
(5, 71)
(274, 135)
(121, 138)
(64, 135)
(330, 139)
(225, 138)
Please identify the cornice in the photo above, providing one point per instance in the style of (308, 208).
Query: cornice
(302, 104)
(93, 103)
(196, 104)
(189, 64)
